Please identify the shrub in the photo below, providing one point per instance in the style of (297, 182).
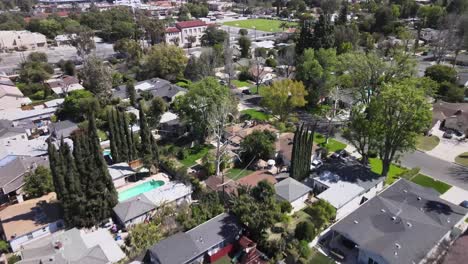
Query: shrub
(305, 231)
(285, 207)
(4, 246)
(270, 62)
(304, 249)
(277, 229)
(13, 259)
(321, 212)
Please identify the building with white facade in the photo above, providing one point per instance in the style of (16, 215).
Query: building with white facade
(21, 40)
(345, 184)
(180, 34)
(11, 97)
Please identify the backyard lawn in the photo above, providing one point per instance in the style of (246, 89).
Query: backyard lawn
(376, 166)
(426, 181)
(426, 143)
(195, 154)
(256, 115)
(462, 159)
(240, 84)
(223, 260)
(319, 258)
(268, 25)
(236, 173)
(261, 89)
(332, 146)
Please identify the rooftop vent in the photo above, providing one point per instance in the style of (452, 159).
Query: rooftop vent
(409, 224)
(393, 218)
(397, 245)
(419, 198)
(448, 220)
(382, 210)
(356, 222)
(405, 191)
(396, 253)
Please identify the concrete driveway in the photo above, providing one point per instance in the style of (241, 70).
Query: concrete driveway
(448, 149)
(455, 195)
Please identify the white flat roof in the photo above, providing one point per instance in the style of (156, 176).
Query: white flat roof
(169, 192)
(339, 192)
(168, 116)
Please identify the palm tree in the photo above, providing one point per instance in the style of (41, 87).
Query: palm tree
(284, 25)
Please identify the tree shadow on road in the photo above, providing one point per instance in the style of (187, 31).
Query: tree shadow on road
(459, 172)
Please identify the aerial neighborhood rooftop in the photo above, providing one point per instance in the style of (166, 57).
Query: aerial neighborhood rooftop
(249, 132)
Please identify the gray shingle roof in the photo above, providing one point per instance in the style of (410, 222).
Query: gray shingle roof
(412, 216)
(12, 171)
(7, 129)
(133, 207)
(183, 247)
(63, 128)
(156, 86)
(291, 190)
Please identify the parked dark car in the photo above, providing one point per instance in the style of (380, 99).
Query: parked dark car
(448, 134)
(246, 91)
(464, 204)
(340, 154)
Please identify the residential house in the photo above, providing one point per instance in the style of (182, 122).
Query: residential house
(142, 207)
(73, 246)
(35, 147)
(406, 223)
(120, 172)
(156, 87)
(236, 133)
(294, 192)
(21, 40)
(457, 253)
(180, 34)
(451, 116)
(345, 184)
(9, 133)
(63, 85)
(207, 242)
(12, 172)
(31, 220)
(170, 126)
(62, 129)
(11, 97)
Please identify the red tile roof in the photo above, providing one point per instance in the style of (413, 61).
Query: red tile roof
(172, 30)
(190, 24)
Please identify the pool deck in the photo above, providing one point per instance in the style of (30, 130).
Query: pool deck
(157, 177)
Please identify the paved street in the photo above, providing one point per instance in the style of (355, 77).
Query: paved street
(437, 168)
(10, 61)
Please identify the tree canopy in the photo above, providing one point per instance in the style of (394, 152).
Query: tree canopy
(164, 61)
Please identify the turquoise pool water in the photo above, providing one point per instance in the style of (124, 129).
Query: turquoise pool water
(139, 189)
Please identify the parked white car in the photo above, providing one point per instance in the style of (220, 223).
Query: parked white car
(315, 164)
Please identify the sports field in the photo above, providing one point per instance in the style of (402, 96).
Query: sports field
(268, 25)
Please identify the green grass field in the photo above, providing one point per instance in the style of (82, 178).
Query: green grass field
(376, 166)
(236, 173)
(262, 89)
(268, 25)
(426, 181)
(256, 115)
(332, 146)
(240, 84)
(319, 258)
(195, 154)
(425, 143)
(462, 159)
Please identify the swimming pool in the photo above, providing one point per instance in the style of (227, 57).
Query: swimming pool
(139, 189)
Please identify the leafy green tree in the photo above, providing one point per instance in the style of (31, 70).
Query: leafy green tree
(82, 38)
(441, 73)
(97, 77)
(244, 44)
(71, 107)
(131, 92)
(49, 27)
(305, 37)
(213, 36)
(4, 246)
(156, 109)
(130, 48)
(143, 236)
(203, 100)
(38, 183)
(164, 61)
(316, 70)
(283, 96)
(431, 15)
(302, 152)
(322, 213)
(35, 69)
(258, 145)
(384, 20)
(305, 231)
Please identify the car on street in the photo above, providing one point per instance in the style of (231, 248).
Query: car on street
(315, 164)
(464, 204)
(340, 154)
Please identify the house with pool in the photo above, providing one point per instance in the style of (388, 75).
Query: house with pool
(139, 203)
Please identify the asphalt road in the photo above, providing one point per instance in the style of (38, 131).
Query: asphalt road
(439, 169)
(10, 61)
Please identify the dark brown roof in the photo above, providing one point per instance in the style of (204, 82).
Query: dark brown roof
(458, 253)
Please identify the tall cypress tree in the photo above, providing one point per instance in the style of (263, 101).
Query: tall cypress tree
(113, 136)
(122, 135)
(145, 136)
(56, 168)
(129, 138)
(324, 33)
(131, 92)
(302, 152)
(305, 38)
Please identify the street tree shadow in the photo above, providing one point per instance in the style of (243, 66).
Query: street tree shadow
(459, 172)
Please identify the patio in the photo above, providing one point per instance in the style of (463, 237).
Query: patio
(339, 248)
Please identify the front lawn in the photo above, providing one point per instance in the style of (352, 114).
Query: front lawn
(240, 84)
(393, 173)
(318, 258)
(236, 173)
(256, 115)
(426, 181)
(426, 143)
(194, 154)
(261, 89)
(333, 144)
(462, 159)
(268, 25)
